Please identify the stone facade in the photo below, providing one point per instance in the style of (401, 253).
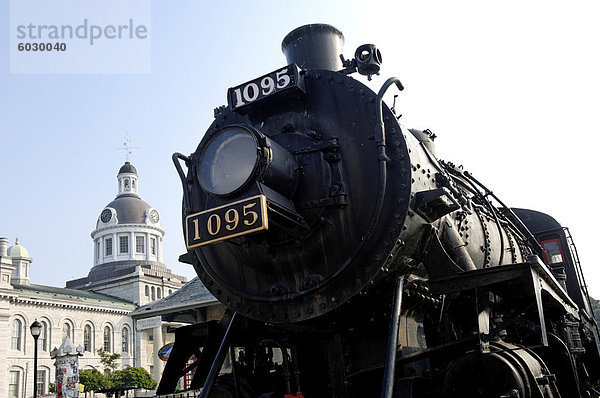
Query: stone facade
(90, 319)
(93, 311)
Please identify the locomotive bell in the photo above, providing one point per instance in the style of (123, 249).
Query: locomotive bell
(314, 46)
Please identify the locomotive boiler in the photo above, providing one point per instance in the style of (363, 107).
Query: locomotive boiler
(355, 263)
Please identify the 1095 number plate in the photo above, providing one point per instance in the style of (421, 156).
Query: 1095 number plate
(276, 83)
(227, 221)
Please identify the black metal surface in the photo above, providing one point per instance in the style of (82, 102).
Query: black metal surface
(316, 280)
(315, 46)
(219, 356)
(365, 206)
(387, 387)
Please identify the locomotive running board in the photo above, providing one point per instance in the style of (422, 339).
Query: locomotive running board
(521, 282)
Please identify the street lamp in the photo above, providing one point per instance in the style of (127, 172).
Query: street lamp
(36, 330)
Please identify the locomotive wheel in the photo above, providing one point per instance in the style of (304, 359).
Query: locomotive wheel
(477, 375)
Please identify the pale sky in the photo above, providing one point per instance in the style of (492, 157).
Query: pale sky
(510, 88)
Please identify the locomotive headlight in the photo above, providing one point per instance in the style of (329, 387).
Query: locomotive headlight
(236, 156)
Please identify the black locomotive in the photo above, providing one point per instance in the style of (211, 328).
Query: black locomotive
(355, 263)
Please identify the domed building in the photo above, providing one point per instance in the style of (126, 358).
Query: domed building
(128, 248)
(21, 261)
(97, 311)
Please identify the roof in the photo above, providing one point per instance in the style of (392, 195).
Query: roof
(17, 250)
(192, 295)
(130, 209)
(127, 168)
(75, 297)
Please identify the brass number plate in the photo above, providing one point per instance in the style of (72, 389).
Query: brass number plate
(224, 222)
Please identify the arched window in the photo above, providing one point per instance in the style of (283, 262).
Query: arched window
(17, 331)
(67, 331)
(158, 293)
(147, 291)
(44, 337)
(125, 339)
(153, 293)
(87, 338)
(107, 339)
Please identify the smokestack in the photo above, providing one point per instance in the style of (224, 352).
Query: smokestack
(3, 247)
(315, 46)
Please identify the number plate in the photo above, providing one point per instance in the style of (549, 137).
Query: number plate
(224, 222)
(279, 81)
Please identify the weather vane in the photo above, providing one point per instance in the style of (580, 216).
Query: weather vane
(126, 147)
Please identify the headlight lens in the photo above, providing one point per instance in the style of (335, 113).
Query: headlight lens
(228, 161)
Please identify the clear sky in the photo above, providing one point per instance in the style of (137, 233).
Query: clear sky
(510, 88)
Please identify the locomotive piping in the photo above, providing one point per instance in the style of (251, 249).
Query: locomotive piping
(387, 388)
(522, 226)
(186, 200)
(382, 156)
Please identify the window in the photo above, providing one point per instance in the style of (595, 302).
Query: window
(158, 293)
(43, 339)
(553, 253)
(97, 250)
(125, 340)
(41, 381)
(87, 338)
(147, 291)
(66, 331)
(13, 384)
(127, 183)
(153, 246)
(170, 291)
(123, 244)
(153, 293)
(15, 342)
(139, 244)
(107, 339)
(108, 247)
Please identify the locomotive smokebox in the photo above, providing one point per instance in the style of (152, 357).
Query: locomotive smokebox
(314, 46)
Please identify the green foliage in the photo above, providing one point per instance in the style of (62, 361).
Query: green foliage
(109, 360)
(52, 387)
(133, 377)
(93, 380)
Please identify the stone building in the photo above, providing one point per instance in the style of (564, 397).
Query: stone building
(93, 311)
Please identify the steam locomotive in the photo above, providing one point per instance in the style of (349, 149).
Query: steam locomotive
(355, 263)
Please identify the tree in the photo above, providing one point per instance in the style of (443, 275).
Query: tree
(92, 380)
(108, 360)
(133, 377)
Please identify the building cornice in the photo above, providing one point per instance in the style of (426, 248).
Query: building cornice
(125, 227)
(73, 306)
